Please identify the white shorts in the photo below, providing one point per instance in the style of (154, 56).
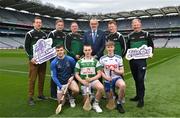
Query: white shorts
(86, 89)
(60, 90)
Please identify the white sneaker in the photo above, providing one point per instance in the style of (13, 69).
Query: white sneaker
(72, 103)
(96, 107)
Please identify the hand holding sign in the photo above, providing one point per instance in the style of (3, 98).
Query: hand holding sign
(142, 52)
(33, 61)
(42, 51)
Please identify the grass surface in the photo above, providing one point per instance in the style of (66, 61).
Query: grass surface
(162, 89)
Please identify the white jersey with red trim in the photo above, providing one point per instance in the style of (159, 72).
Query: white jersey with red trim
(115, 61)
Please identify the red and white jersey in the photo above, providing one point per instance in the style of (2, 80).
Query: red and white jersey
(115, 61)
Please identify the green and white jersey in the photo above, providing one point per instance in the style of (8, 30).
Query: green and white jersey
(87, 67)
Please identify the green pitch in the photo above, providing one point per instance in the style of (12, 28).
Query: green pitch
(162, 89)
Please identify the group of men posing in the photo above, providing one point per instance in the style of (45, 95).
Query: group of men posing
(89, 58)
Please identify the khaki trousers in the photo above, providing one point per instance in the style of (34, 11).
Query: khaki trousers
(34, 71)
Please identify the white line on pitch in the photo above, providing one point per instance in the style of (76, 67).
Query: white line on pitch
(24, 72)
(15, 71)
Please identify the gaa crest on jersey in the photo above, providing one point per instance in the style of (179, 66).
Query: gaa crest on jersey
(141, 37)
(105, 60)
(36, 37)
(43, 37)
(59, 66)
(67, 64)
(42, 50)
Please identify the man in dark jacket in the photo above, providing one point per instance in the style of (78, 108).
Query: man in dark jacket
(117, 38)
(73, 42)
(35, 69)
(136, 39)
(95, 38)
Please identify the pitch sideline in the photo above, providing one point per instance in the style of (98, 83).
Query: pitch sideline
(24, 72)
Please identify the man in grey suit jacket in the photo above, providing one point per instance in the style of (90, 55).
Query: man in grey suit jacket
(95, 38)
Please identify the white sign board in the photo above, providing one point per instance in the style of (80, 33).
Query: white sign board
(142, 52)
(42, 50)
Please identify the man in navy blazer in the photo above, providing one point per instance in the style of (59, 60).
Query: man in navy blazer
(95, 38)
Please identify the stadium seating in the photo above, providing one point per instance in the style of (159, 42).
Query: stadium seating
(159, 43)
(173, 43)
(5, 46)
(154, 22)
(161, 26)
(11, 42)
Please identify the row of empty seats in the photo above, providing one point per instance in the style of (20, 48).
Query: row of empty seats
(16, 42)
(11, 42)
(167, 43)
(159, 43)
(173, 43)
(8, 16)
(5, 46)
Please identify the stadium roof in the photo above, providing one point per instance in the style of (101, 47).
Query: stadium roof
(36, 6)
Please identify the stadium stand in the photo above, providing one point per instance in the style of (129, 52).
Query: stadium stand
(10, 42)
(4, 46)
(160, 43)
(14, 24)
(16, 17)
(19, 40)
(173, 43)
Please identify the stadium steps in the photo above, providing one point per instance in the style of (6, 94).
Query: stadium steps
(17, 41)
(159, 43)
(173, 43)
(166, 43)
(9, 41)
(8, 45)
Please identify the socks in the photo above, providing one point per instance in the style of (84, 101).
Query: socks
(96, 101)
(119, 102)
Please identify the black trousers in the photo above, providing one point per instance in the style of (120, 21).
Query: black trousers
(53, 86)
(138, 70)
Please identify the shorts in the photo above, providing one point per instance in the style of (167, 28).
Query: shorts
(86, 89)
(111, 85)
(60, 90)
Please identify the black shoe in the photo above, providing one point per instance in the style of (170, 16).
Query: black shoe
(140, 104)
(120, 108)
(31, 102)
(42, 98)
(134, 99)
